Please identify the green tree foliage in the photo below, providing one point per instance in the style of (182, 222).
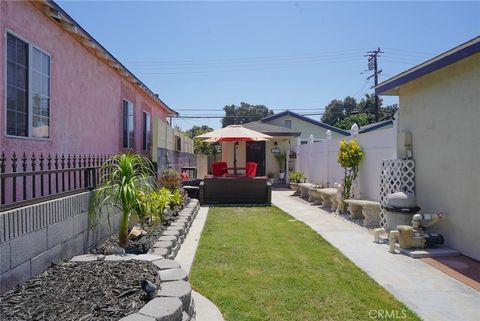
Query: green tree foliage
(245, 113)
(333, 112)
(343, 114)
(359, 119)
(199, 146)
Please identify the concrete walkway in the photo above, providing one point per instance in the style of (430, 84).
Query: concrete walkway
(206, 310)
(433, 295)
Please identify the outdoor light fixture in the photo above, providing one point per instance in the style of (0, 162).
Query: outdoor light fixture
(275, 149)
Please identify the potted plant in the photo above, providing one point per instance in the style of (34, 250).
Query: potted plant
(296, 177)
(280, 158)
(122, 177)
(271, 177)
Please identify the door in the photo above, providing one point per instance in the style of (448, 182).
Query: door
(255, 152)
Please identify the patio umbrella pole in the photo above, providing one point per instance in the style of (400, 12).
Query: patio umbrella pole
(235, 158)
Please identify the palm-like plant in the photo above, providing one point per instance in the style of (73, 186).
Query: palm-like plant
(122, 177)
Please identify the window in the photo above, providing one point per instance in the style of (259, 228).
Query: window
(288, 123)
(146, 131)
(28, 89)
(128, 124)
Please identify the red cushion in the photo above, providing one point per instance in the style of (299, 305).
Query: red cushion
(219, 168)
(251, 169)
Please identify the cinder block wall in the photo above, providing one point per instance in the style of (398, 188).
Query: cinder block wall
(33, 237)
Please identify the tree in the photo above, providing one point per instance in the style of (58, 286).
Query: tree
(199, 146)
(245, 113)
(343, 114)
(388, 112)
(359, 119)
(367, 104)
(333, 112)
(349, 105)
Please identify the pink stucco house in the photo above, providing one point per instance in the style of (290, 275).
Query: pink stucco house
(63, 92)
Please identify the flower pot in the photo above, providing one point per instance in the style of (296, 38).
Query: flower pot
(281, 176)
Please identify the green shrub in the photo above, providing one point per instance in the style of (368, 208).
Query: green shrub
(296, 177)
(170, 179)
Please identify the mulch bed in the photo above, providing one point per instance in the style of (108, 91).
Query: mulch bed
(142, 246)
(100, 290)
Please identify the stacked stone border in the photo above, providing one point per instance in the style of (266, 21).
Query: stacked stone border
(173, 301)
(169, 243)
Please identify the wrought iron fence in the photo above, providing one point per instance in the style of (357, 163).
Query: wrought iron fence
(26, 180)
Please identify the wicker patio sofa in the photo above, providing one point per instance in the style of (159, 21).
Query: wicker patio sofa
(235, 190)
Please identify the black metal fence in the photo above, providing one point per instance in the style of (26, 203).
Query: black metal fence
(31, 179)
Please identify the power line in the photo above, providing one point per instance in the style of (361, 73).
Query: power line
(202, 109)
(235, 116)
(230, 59)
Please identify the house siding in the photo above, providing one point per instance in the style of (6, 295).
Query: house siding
(306, 128)
(442, 111)
(86, 94)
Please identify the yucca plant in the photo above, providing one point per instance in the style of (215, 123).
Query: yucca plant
(122, 177)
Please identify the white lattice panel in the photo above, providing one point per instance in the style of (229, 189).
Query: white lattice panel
(398, 175)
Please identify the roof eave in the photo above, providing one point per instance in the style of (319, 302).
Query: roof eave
(306, 119)
(67, 23)
(390, 87)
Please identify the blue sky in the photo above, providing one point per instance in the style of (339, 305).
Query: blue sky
(200, 56)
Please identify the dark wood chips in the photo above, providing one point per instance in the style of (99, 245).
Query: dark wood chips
(101, 290)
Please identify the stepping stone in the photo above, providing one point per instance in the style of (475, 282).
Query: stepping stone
(173, 275)
(171, 233)
(170, 238)
(160, 251)
(87, 258)
(166, 264)
(180, 229)
(148, 257)
(181, 224)
(137, 317)
(165, 244)
(118, 257)
(185, 316)
(163, 309)
(177, 289)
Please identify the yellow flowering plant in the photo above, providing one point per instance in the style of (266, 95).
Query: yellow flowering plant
(349, 157)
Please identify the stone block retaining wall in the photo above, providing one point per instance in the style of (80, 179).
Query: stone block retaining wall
(33, 237)
(173, 301)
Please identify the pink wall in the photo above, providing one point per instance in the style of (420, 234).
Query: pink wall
(86, 94)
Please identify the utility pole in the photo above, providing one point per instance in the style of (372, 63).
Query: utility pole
(373, 65)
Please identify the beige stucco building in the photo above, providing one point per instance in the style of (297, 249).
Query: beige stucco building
(440, 107)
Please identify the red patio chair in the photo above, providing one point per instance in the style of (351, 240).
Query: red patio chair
(184, 176)
(251, 169)
(219, 169)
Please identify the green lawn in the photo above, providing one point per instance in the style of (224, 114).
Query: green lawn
(255, 264)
